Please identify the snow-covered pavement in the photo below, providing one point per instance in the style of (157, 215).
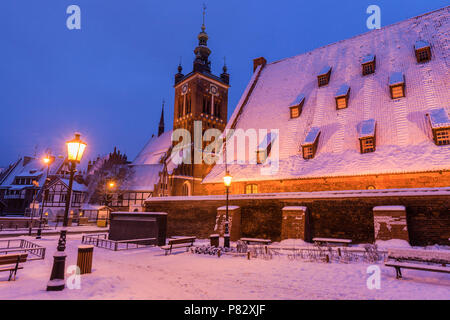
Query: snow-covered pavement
(148, 274)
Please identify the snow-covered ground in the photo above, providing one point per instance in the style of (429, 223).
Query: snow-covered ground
(148, 274)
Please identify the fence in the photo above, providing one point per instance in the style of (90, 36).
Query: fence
(35, 251)
(101, 241)
(320, 253)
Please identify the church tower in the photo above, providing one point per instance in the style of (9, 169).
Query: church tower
(199, 96)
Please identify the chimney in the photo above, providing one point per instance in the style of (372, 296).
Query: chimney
(259, 61)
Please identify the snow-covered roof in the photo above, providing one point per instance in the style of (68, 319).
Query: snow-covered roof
(298, 100)
(343, 90)
(32, 168)
(155, 149)
(366, 128)
(143, 177)
(420, 44)
(439, 118)
(368, 58)
(404, 142)
(75, 185)
(324, 70)
(312, 136)
(396, 78)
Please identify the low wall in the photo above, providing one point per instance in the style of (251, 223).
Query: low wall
(339, 214)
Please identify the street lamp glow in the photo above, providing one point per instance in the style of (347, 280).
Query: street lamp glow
(227, 179)
(111, 184)
(75, 149)
(46, 160)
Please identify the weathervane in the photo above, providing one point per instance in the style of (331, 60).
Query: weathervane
(204, 12)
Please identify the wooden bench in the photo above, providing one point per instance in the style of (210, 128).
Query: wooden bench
(256, 241)
(424, 260)
(12, 263)
(327, 241)
(184, 242)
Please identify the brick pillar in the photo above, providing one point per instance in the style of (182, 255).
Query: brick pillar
(234, 218)
(390, 223)
(295, 223)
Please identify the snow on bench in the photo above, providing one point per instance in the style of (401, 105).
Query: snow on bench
(256, 241)
(425, 260)
(331, 240)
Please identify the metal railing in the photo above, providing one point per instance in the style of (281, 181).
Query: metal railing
(101, 241)
(35, 251)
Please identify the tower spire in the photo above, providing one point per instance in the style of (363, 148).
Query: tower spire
(202, 52)
(161, 121)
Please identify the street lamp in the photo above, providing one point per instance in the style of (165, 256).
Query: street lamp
(75, 150)
(47, 161)
(109, 197)
(227, 181)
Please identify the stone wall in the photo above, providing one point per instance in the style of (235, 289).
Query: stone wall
(333, 214)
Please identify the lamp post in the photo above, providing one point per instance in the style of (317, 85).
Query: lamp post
(227, 181)
(75, 150)
(47, 160)
(110, 186)
(33, 204)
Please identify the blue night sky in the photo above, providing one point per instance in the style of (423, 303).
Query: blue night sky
(108, 79)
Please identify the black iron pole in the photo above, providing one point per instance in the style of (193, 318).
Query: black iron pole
(227, 232)
(39, 232)
(57, 282)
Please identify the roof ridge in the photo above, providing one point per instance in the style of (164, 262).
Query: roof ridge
(360, 35)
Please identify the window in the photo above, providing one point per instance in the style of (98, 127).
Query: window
(186, 189)
(342, 97)
(323, 77)
(366, 132)
(309, 146)
(251, 188)
(423, 51)
(295, 112)
(188, 104)
(308, 152)
(264, 148)
(296, 106)
(367, 145)
(206, 105)
(397, 85)
(180, 106)
(442, 136)
(368, 64)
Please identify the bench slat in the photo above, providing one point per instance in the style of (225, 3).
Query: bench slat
(332, 240)
(417, 266)
(12, 258)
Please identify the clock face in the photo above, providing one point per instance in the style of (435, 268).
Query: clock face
(184, 88)
(213, 89)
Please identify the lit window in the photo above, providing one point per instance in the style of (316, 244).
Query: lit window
(397, 85)
(296, 106)
(251, 188)
(442, 136)
(295, 112)
(366, 131)
(342, 97)
(309, 146)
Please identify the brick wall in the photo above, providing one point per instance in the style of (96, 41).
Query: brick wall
(428, 217)
(381, 181)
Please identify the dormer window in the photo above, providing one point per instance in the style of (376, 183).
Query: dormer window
(397, 85)
(309, 146)
(323, 77)
(342, 96)
(264, 148)
(296, 106)
(440, 125)
(366, 135)
(368, 64)
(423, 51)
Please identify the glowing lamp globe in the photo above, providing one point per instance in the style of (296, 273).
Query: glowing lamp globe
(46, 160)
(75, 149)
(227, 179)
